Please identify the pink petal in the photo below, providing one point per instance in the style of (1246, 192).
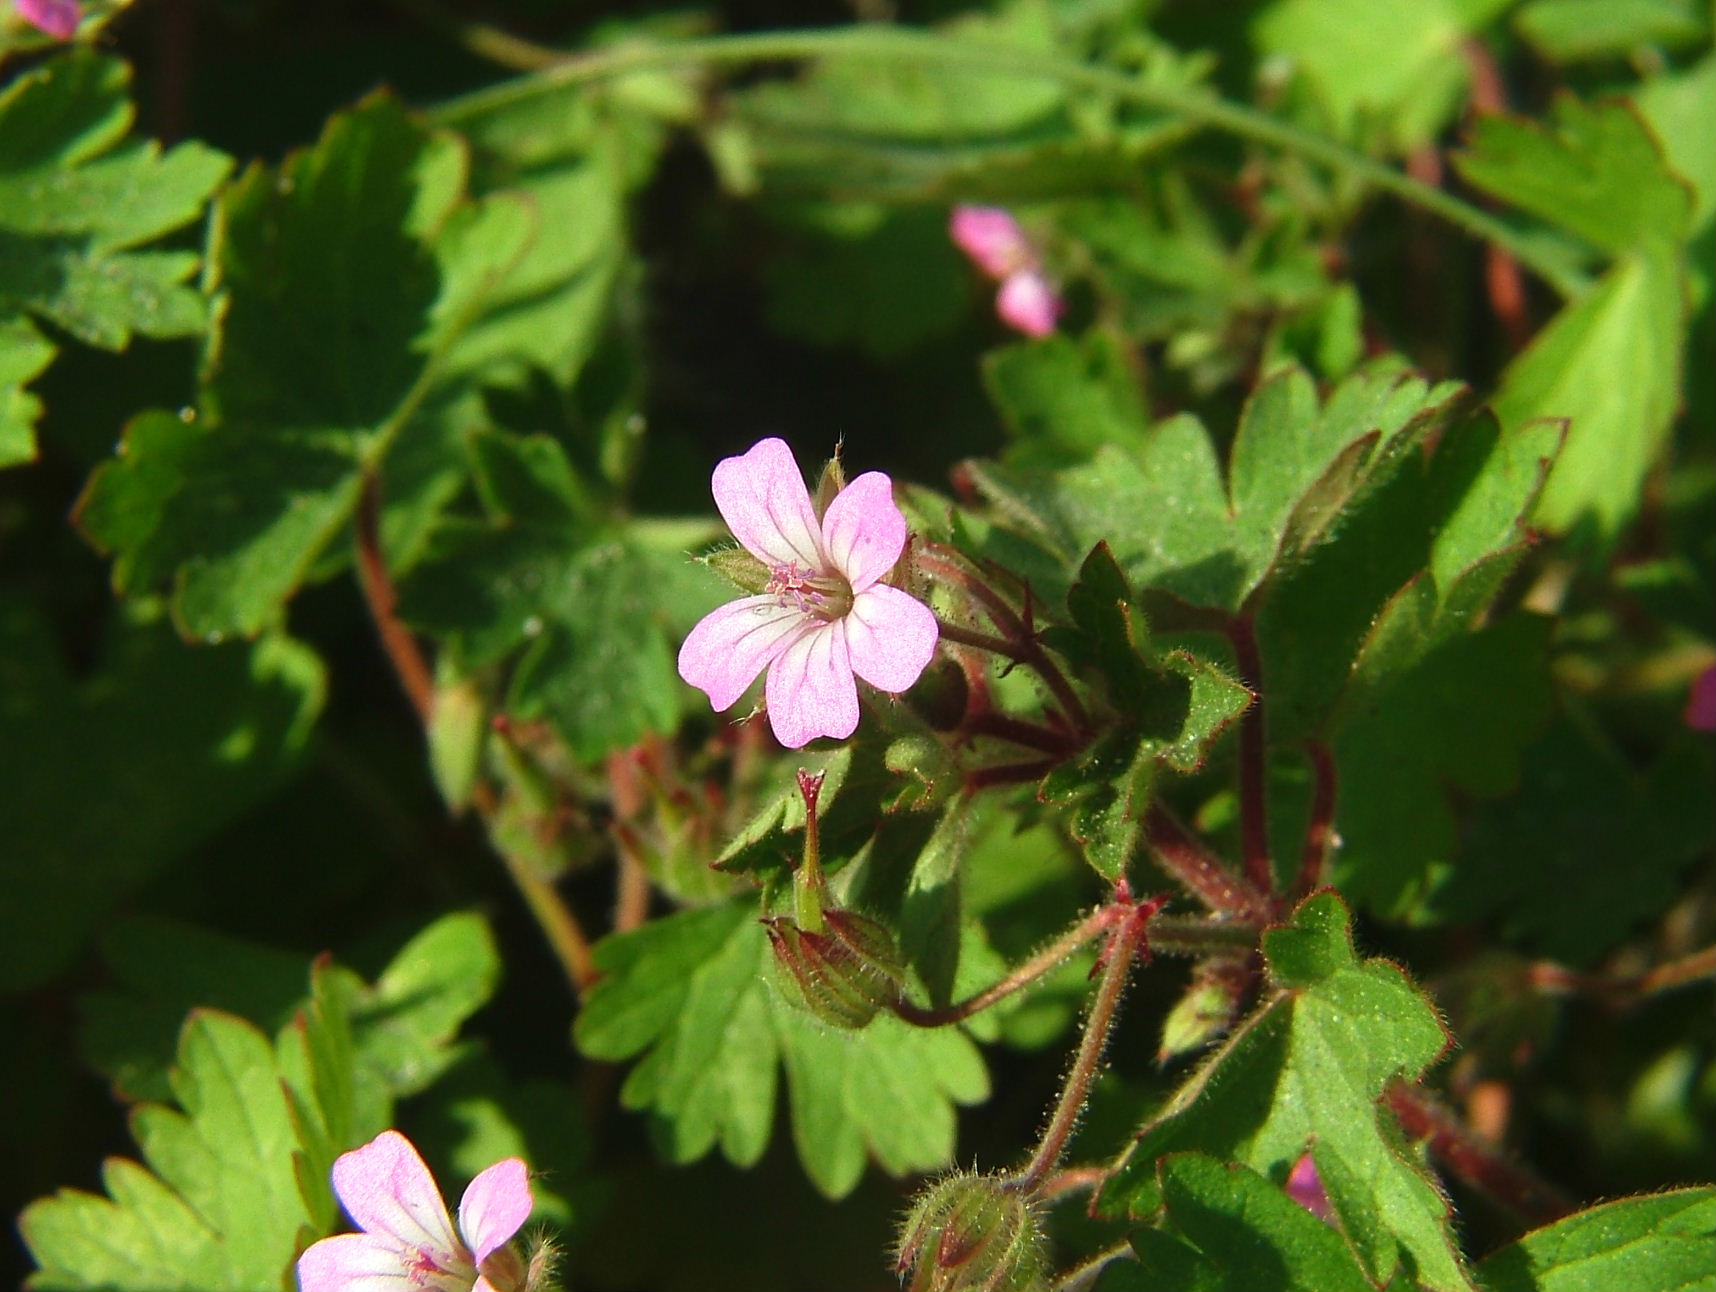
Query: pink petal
(388, 1192)
(863, 531)
(810, 688)
(762, 497)
(1027, 303)
(732, 644)
(1305, 1187)
(890, 637)
(1700, 712)
(59, 18)
(366, 1263)
(495, 1204)
(992, 238)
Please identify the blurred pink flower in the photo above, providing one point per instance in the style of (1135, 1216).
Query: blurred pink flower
(1305, 1187)
(824, 615)
(59, 18)
(1027, 303)
(408, 1243)
(997, 245)
(1700, 712)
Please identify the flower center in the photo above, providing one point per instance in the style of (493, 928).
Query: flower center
(824, 595)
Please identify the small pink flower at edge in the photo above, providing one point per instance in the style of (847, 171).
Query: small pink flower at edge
(825, 615)
(992, 238)
(1305, 1187)
(1028, 304)
(1700, 713)
(58, 18)
(408, 1240)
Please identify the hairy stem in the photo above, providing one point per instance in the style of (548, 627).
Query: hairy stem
(1021, 643)
(1628, 989)
(1017, 731)
(1081, 1277)
(1122, 947)
(403, 653)
(1480, 1164)
(1019, 977)
(566, 937)
(1199, 870)
(1193, 104)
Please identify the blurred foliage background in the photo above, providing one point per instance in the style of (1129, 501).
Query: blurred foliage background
(773, 282)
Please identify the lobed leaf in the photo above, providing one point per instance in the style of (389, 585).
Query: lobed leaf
(694, 993)
(1305, 1073)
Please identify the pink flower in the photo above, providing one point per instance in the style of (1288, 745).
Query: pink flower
(408, 1243)
(59, 18)
(1305, 1187)
(997, 245)
(1700, 712)
(1027, 303)
(824, 615)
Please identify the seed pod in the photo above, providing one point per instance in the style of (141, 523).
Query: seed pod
(973, 1233)
(844, 974)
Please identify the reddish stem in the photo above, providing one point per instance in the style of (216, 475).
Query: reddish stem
(1320, 830)
(1199, 870)
(1253, 759)
(378, 591)
(1020, 976)
(1502, 277)
(1479, 1163)
(1031, 735)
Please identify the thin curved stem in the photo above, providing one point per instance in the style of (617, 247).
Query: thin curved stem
(879, 42)
(1019, 977)
(1117, 967)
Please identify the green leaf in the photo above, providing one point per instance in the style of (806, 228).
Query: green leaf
(887, 283)
(76, 201)
(1572, 31)
(1661, 1243)
(1231, 1230)
(696, 991)
(1676, 107)
(1172, 522)
(369, 235)
(1305, 1072)
(215, 1205)
(1609, 363)
(1066, 397)
(131, 767)
(24, 355)
(1458, 719)
(1373, 56)
(1593, 170)
(1543, 861)
(402, 1029)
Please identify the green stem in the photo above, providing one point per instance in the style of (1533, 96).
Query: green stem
(880, 42)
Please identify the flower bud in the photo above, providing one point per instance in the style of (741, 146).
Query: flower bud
(973, 1233)
(844, 974)
(1207, 1010)
(734, 564)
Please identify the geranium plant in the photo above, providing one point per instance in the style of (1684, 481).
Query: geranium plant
(1049, 647)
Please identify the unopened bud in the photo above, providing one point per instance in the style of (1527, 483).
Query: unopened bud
(1205, 1012)
(843, 974)
(734, 564)
(973, 1233)
(829, 483)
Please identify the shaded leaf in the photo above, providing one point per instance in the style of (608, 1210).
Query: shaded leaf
(695, 993)
(1305, 1072)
